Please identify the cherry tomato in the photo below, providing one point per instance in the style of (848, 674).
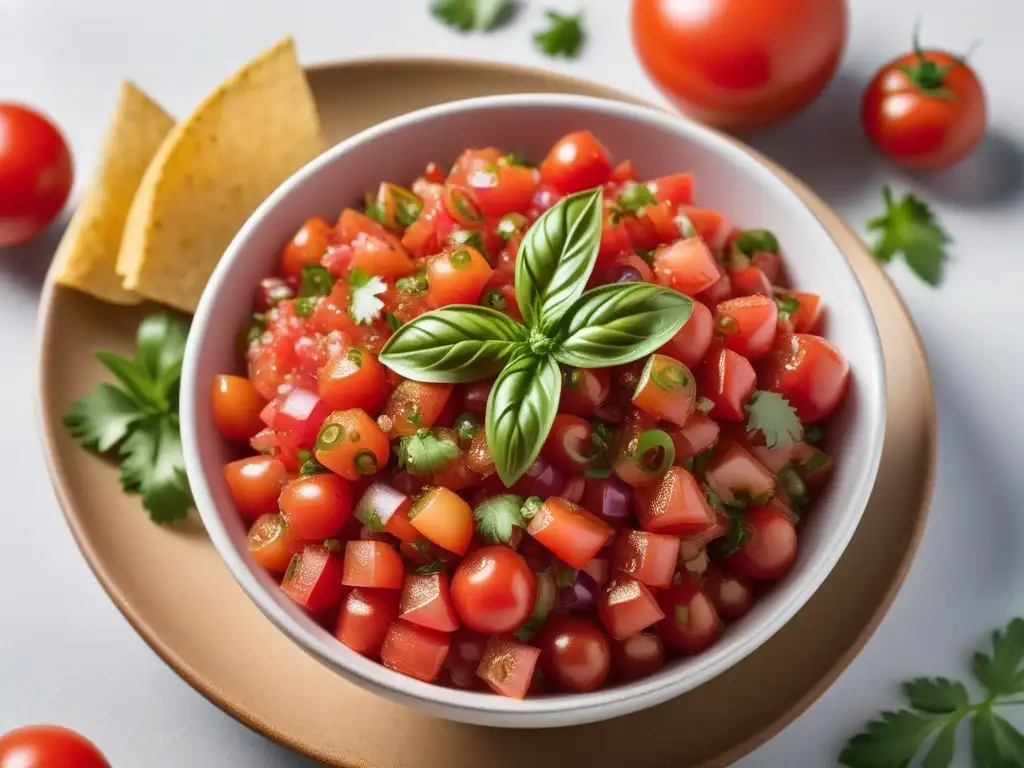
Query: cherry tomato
(413, 650)
(638, 655)
(373, 564)
(306, 248)
(445, 518)
(502, 189)
(732, 595)
(569, 531)
(740, 64)
(771, 548)
(48, 746)
(569, 443)
(583, 390)
(365, 617)
(271, 543)
(493, 590)
(255, 483)
(576, 162)
(507, 666)
(691, 623)
(35, 173)
(352, 378)
(925, 109)
(575, 653)
(236, 407)
(810, 373)
(316, 506)
(352, 445)
(457, 275)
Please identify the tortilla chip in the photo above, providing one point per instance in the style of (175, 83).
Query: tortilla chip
(211, 173)
(87, 254)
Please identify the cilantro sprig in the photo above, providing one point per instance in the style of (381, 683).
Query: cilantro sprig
(937, 708)
(138, 418)
(424, 453)
(467, 15)
(563, 35)
(497, 516)
(772, 415)
(908, 227)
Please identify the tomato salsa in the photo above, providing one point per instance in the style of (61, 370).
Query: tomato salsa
(667, 494)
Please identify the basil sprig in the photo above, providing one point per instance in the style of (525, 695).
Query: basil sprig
(609, 325)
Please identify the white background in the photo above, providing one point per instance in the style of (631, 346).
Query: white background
(67, 656)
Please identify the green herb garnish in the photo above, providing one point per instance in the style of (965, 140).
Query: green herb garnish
(306, 305)
(467, 15)
(498, 516)
(563, 35)
(424, 453)
(426, 570)
(909, 227)
(315, 280)
(633, 197)
(773, 416)
(756, 241)
(414, 284)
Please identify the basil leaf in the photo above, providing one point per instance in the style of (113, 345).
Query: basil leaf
(452, 345)
(520, 411)
(619, 323)
(556, 258)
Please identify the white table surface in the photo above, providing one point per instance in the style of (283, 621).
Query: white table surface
(66, 654)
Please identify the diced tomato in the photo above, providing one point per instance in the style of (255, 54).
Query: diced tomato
(306, 248)
(691, 343)
(413, 650)
(569, 531)
(687, 266)
(698, 434)
(507, 666)
(675, 505)
(545, 197)
(365, 617)
(317, 506)
(717, 293)
(623, 268)
(255, 482)
(384, 508)
(414, 405)
(425, 235)
(815, 466)
(470, 161)
(331, 313)
(731, 594)
(313, 578)
(675, 189)
(301, 413)
(503, 189)
(569, 442)
(810, 373)
(729, 381)
(352, 378)
(445, 518)
(711, 226)
(691, 623)
(427, 601)
(372, 564)
(771, 549)
(236, 407)
(352, 445)
(733, 472)
(625, 607)
(583, 390)
(751, 281)
(377, 257)
(624, 171)
(464, 655)
(666, 390)
(807, 316)
(647, 557)
(457, 276)
(271, 543)
(576, 162)
(599, 567)
(747, 325)
(352, 224)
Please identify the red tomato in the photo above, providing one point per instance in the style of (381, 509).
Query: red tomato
(583, 390)
(413, 405)
(236, 407)
(691, 623)
(569, 442)
(747, 325)
(502, 189)
(729, 381)
(352, 378)
(711, 225)
(306, 248)
(569, 531)
(810, 373)
(507, 666)
(740, 64)
(385, 508)
(427, 601)
(313, 578)
(666, 390)
(48, 746)
(637, 656)
(925, 109)
(717, 293)
(464, 656)
(352, 445)
(647, 557)
(622, 268)
(35, 173)
(255, 482)
(365, 617)
(377, 257)
(472, 161)
(493, 590)
(301, 413)
(576, 162)
(698, 434)
(575, 653)
(751, 281)
(687, 266)
(771, 548)
(675, 189)
(733, 472)
(414, 651)
(626, 607)
(623, 172)
(691, 343)
(372, 564)
(731, 594)
(675, 504)
(445, 518)
(808, 314)
(271, 543)
(316, 506)
(353, 225)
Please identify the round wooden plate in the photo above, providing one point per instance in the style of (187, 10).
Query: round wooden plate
(172, 587)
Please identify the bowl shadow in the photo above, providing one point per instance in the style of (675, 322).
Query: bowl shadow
(26, 264)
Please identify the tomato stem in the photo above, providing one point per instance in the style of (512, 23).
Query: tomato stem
(928, 76)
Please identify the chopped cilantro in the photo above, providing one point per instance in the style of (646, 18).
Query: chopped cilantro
(497, 516)
(772, 415)
(756, 241)
(467, 15)
(363, 304)
(909, 227)
(424, 453)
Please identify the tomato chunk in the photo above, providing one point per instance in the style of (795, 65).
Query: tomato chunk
(751, 281)
(377, 257)
(690, 623)
(306, 248)
(414, 405)
(675, 189)
(365, 617)
(317, 506)
(372, 564)
(667, 390)
(687, 266)
(576, 162)
(770, 549)
(236, 407)
(810, 373)
(691, 343)
(383, 508)
(569, 531)
(445, 518)
(255, 483)
(675, 504)
(728, 381)
(352, 378)
(457, 276)
(698, 434)
(427, 601)
(313, 578)
(711, 226)
(301, 413)
(413, 650)
(352, 445)
(352, 225)
(731, 594)
(733, 473)
(583, 390)
(647, 557)
(502, 189)
(747, 325)
(271, 543)
(626, 607)
(569, 443)
(508, 665)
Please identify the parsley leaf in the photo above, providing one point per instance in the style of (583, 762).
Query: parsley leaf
(937, 695)
(1002, 672)
(562, 37)
(772, 415)
(363, 304)
(466, 15)
(909, 227)
(995, 743)
(892, 740)
(425, 453)
(497, 516)
(138, 418)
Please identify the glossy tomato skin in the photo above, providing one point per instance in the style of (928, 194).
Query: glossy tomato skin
(583, 390)
(626, 607)
(729, 381)
(255, 483)
(236, 407)
(919, 127)
(810, 373)
(365, 617)
(306, 248)
(747, 325)
(373, 564)
(740, 64)
(569, 443)
(413, 650)
(427, 601)
(771, 549)
(35, 173)
(317, 506)
(569, 531)
(637, 656)
(271, 543)
(575, 653)
(576, 162)
(313, 579)
(352, 378)
(507, 666)
(493, 590)
(732, 594)
(48, 746)
(673, 505)
(690, 345)
(691, 623)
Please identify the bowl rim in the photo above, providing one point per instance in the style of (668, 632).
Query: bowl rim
(484, 707)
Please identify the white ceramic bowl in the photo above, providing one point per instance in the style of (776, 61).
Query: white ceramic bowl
(728, 179)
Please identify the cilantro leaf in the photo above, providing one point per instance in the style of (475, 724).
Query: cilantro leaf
(165, 492)
(995, 743)
(562, 37)
(892, 740)
(363, 304)
(1001, 672)
(425, 453)
(466, 15)
(772, 415)
(937, 695)
(160, 349)
(133, 378)
(103, 418)
(909, 227)
(497, 516)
